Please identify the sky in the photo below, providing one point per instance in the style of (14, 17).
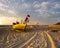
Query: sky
(41, 11)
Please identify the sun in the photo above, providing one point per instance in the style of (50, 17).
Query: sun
(1, 23)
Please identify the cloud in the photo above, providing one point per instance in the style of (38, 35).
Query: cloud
(11, 12)
(36, 4)
(8, 11)
(5, 8)
(25, 5)
(46, 8)
(57, 6)
(23, 0)
(44, 4)
(3, 5)
(43, 9)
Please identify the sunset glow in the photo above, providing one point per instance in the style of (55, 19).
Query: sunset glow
(8, 20)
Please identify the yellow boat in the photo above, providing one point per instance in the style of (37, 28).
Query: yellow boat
(20, 26)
